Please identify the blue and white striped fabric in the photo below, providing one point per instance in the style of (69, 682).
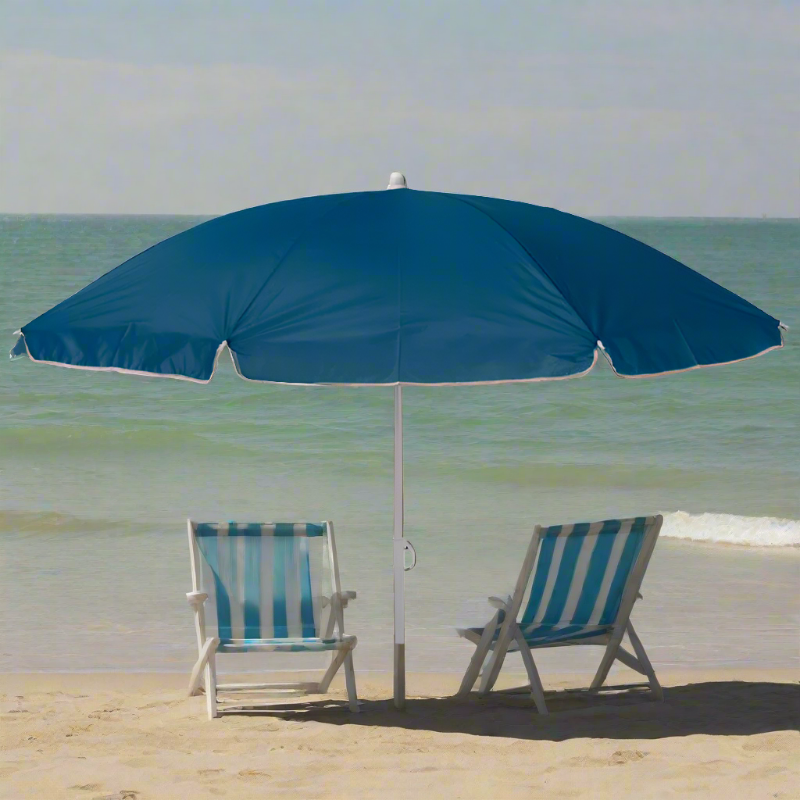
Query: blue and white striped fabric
(580, 574)
(265, 584)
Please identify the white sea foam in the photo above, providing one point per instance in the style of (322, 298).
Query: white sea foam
(732, 529)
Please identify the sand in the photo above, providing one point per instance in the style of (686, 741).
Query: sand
(717, 735)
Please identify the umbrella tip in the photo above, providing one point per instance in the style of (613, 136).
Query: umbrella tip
(397, 181)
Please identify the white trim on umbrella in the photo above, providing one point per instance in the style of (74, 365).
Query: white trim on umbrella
(781, 329)
(581, 374)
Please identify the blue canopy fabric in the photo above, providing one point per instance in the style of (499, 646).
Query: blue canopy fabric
(405, 287)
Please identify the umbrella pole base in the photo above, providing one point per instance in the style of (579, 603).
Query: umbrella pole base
(400, 676)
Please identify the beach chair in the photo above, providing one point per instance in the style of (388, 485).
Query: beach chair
(267, 588)
(584, 580)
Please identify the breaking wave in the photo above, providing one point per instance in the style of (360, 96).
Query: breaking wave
(732, 529)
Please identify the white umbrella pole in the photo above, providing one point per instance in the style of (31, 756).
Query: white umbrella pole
(399, 557)
(398, 181)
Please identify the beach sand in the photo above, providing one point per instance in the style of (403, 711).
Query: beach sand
(722, 734)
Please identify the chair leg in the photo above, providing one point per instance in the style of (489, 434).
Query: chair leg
(537, 690)
(606, 662)
(488, 680)
(350, 681)
(638, 648)
(478, 657)
(336, 662)
(492, 669)
(211, 687)
(472, 673)
(629, 660)
(206, 652)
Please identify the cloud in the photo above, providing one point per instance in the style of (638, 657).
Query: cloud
(594, 131)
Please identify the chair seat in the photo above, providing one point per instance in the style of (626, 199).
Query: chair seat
(546, 634)
(285, 645)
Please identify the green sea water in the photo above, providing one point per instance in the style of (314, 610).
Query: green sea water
(99, 471)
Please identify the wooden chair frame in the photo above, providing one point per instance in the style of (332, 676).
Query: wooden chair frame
(205, 673)
(511, 635)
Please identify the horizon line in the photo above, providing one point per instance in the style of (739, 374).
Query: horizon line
(224, 213)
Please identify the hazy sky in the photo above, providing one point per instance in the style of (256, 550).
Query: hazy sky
(661, 107)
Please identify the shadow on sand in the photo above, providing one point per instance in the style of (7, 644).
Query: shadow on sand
(734, 708)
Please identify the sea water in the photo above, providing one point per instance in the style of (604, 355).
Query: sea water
(98, 473)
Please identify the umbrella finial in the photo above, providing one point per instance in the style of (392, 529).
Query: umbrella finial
(397, 181)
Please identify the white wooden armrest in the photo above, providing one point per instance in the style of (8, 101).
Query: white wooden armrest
(496, 602)
(196, 599)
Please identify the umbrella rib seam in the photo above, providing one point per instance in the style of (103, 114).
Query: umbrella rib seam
(283, 257)
(530, 255)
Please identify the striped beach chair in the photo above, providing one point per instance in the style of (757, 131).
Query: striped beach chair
(267, 588)
(584, 580)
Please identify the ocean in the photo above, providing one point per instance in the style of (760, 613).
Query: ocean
(98, 473)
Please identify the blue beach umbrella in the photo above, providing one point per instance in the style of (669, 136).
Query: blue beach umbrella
(399, 288)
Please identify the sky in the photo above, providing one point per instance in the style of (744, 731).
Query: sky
(597, 107)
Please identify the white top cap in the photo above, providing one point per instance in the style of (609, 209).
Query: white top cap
(397, 181)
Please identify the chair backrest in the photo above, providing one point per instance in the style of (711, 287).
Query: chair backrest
(264, 581)
(583, 572)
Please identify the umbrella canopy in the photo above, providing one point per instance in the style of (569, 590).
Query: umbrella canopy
(400, 287)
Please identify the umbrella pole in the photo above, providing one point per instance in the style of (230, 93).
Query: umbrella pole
(399, 557)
